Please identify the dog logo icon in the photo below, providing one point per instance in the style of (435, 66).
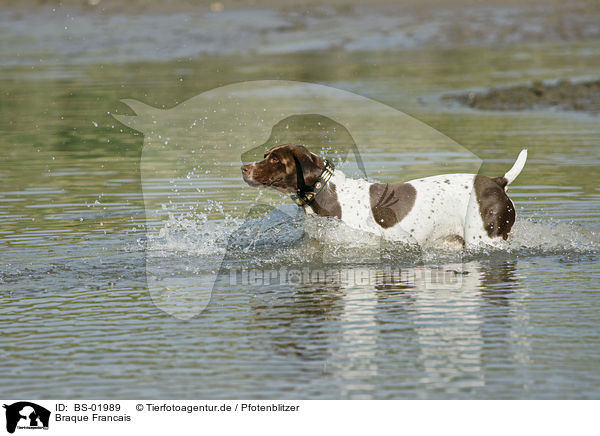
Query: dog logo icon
(26, 415)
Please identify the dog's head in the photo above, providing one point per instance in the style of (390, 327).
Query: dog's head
(285, 168)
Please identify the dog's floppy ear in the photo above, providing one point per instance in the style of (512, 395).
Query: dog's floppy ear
(303, 153)
(308, 165)
(300, 183)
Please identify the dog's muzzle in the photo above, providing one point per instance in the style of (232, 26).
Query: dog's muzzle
(247, 173)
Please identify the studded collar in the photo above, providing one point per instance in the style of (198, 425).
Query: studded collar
(305, 195)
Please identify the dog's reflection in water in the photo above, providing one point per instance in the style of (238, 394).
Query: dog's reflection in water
(438, 325)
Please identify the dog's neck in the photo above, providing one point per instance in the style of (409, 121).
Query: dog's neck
(326, 202)
(311, 180)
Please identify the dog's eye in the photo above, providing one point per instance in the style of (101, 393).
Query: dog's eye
(273, 159)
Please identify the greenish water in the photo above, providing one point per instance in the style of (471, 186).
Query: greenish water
(75, 307)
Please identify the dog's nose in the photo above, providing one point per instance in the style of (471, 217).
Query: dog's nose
(246, 168)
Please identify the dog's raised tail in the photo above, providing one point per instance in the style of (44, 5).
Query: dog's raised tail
(516, 169)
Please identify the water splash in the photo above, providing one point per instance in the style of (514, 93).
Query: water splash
(286, 235)
(192, 234)
(548, 236)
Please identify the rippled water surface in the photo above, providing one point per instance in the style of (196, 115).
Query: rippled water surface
(388, 321)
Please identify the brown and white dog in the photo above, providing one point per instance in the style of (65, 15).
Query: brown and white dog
(464, 209)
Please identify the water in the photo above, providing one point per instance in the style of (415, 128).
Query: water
(383, 321)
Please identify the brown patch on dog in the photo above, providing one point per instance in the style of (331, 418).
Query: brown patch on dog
(391, 203)
(496, 209)
(326, 203)
(501, 181)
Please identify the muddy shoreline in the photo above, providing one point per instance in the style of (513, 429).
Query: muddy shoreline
(562, 95)
(47, 34)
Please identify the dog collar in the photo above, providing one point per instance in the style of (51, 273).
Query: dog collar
(304, 197)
